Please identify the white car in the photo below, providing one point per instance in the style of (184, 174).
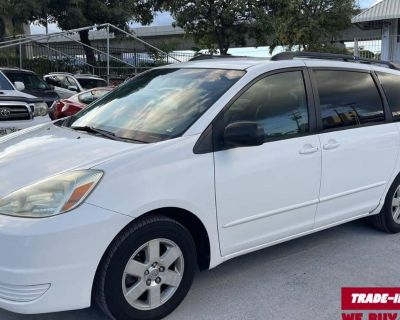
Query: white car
(67, 84)
(187, 166)
(19, 110)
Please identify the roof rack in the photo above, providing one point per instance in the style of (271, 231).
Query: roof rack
(212, 56)
(55, 73)
(331, 56)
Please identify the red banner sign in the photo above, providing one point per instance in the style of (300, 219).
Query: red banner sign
(370, 298)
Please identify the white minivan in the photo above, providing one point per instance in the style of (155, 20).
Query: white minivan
(187, 166)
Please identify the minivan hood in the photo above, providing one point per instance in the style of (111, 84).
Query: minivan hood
(40, 152)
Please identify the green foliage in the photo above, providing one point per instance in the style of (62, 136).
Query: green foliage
(312, 24)
(23, 11)
(219, 24)
(70, 14)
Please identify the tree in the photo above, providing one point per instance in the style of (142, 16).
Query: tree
(22, 11)
(312, 24)
(219, 24)
(72, 14)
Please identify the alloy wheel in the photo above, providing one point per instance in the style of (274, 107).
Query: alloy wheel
(396, 206)
(153, 274)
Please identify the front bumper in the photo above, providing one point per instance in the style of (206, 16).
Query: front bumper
(48, 265)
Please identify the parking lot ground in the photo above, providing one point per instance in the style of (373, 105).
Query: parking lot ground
(300, 279)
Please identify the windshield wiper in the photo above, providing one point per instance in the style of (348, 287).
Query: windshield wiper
(105, 133)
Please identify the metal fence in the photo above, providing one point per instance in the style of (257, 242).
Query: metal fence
(379, 48)
(43, 58)
(115, 51)
(370, 48)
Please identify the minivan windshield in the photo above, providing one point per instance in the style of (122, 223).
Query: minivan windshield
(157, 105)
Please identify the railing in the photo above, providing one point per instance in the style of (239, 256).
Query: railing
(379, 48)
(42, 58)
(368, 48)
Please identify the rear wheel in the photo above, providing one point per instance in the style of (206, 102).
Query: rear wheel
(147, 271)
(388, 219)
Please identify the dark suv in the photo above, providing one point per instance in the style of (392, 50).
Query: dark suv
(34, 85)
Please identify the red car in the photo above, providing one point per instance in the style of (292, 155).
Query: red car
(68, 107)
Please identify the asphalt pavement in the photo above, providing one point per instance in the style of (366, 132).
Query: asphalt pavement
(297, 280)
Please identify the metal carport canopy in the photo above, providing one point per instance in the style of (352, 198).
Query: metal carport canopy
(384, 10)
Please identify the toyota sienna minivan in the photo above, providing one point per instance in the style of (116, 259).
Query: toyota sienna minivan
(187, 166)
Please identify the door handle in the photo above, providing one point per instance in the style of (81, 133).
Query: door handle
(308, 149)
(332, 144)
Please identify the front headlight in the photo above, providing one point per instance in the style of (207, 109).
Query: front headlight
(40, 109)
(52, 196)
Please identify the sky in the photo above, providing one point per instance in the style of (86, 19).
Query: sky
(164, 18)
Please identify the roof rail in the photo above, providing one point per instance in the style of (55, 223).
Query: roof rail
(55, 73)
(331, 56)
(212, 56)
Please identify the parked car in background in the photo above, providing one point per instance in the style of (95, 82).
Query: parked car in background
(68, 107)
(68, 84)
(19, 110)
(30, 83)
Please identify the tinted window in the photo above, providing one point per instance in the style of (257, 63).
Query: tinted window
(55, 80)
(391, 85)
(4, 84)
(30, 80)
(88, 83)
(157, 105)
(71, 82)
(348, 99)
(278, 103)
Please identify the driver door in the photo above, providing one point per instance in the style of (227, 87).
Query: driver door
(269, 192)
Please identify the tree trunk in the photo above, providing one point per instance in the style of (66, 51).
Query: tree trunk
(89, 52)
(222, 43)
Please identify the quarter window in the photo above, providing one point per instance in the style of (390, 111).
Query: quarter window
(348, 99)
(278, 103)
(391, 86)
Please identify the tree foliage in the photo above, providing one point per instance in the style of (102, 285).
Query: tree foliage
(312, 24)
(23, 11)
(72, 14)
(219, 24)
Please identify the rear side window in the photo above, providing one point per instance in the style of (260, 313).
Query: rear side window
(277, 102)
(391, 86)
(348, 99)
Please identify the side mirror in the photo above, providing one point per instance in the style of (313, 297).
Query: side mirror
(244, 134)
(73, 88)
(20, 86)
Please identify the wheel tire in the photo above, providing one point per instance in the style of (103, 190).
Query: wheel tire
(385, 221)
(109, 283)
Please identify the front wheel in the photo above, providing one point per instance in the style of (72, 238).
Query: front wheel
(147, 271)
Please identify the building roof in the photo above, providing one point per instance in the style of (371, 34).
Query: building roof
(384, 10)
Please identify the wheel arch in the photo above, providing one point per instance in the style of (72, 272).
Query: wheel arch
(189, 220)
(395, 175)
(195, 227)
